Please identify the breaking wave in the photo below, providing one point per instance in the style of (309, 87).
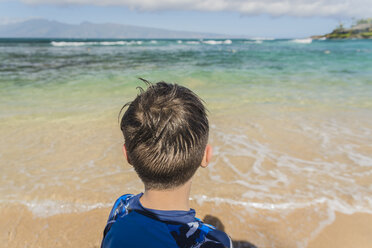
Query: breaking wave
(95, 43)
(303, 41)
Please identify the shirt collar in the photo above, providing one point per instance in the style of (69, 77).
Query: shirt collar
(179, 216)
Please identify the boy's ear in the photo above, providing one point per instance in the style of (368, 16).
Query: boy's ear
(207, 156)
(125, 153)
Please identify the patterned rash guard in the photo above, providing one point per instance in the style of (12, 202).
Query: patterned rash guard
(132, 225)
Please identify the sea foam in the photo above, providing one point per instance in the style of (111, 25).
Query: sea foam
(217, 42)
(253, 42)
(322, 180)
(303, 41)
(94, 43)
(47, 208)
(192, 42)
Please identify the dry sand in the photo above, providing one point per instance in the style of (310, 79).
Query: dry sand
(19, 228)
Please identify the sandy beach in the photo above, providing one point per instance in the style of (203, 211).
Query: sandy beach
(19, 228)
(74, 213)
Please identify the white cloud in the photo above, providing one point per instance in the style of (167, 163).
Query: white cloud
(303, 8)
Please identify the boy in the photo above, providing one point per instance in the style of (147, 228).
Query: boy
(166, 133)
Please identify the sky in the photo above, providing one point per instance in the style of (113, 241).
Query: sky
(249, 18)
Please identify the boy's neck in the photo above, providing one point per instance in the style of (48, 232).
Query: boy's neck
(173, 199)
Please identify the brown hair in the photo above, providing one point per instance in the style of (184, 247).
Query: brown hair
(166, 131)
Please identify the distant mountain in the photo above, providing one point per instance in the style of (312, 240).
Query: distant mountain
(41, 28)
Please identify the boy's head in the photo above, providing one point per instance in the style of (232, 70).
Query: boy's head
(166, 132)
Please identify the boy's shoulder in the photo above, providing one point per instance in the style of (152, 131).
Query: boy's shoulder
(140, 226)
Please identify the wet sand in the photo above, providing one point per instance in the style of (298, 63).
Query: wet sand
(347, 231)
(52, 194)
(19, 228)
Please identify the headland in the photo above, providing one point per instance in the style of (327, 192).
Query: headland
(361, 29)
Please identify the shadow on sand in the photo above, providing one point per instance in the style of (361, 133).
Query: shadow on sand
(209, 219)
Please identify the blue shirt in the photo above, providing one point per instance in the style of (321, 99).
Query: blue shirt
(132, 225)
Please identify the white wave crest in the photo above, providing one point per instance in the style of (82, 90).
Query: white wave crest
(94, 43)
(193, 42)
(64, 43)
(303, 41)
(217, 42)
(253, 42)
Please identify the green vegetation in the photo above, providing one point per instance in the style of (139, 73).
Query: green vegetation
(363, 21)
(337, 35)
(361, 29)
(367, 35)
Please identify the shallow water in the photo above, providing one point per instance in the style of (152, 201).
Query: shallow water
(290, 120)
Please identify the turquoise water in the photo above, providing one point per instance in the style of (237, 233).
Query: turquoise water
(336, 73)
(291, 125)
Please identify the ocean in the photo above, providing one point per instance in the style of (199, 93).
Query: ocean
(291, 127)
